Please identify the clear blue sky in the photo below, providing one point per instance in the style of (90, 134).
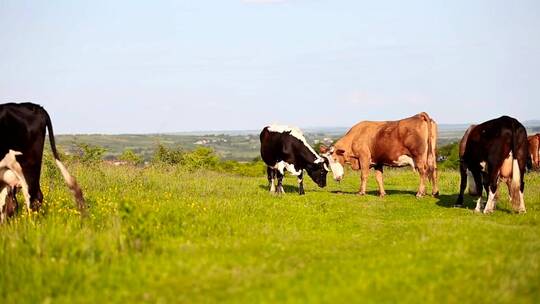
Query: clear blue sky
(165, 66)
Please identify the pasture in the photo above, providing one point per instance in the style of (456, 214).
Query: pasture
(162, 234)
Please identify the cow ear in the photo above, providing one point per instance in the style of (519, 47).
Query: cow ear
(323, 149)
(340, 152)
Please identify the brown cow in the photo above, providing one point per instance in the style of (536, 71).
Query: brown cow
(534, 150)
(410, 141)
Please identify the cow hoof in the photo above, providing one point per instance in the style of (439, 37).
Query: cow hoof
(381, 195)
(478, 210)
(361, 193)
(436, 194)
(522, 211)
(486, 211)
(419, 195)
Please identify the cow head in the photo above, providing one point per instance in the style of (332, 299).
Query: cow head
(335, 161)
(317, 171)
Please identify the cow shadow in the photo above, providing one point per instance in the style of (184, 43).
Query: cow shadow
(449, 201)
(376, 192)
(469, 203)
(286, 188)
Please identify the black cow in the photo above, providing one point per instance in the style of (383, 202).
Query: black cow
(494, 150)
(284, 147)
(22, 128)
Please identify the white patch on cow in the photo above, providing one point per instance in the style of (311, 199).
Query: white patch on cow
(335, 166)
(296, 133)
(521, 203)
(405, 160)
(478, 205)
(516, 174)
(282, 166)
(490, 205)
(12, 174)
(300, 180)
(3, 198)
(483, 166)
(272, 186)
(326, 167)
(471, 184)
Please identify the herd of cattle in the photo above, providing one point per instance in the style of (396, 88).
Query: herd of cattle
(494, 151)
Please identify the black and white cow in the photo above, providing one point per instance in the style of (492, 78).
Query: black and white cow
(490, 152)
(285, 148)
(22, 128)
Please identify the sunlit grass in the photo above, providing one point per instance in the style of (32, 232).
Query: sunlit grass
(166, 235)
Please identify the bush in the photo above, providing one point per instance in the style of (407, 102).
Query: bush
(167, 156)
(450, 155)
(90, 154)
(200, 158)
(205, 158)
(130, 157)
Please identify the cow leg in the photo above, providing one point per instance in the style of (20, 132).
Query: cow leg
(279, 189)
(270, 172)
(477, 179)
(4, 197)
(301, 184)
(462, 184)
(36, 196)
(379, 178)
(12, 204)
(364, 173)
(422, 170)
(521, 208)
(434, 182)
(493, 177)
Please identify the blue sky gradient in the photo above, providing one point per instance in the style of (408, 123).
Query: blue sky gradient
(167, 66)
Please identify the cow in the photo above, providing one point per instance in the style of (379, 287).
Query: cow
(534, 150)
(11, 177)
(22, 128)
(489, 152)
(375, 144)
(285, 148)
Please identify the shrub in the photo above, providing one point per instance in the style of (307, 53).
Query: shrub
(130, 157)
(450, 155)
(167, 156)
(200, 158)
(90, 154)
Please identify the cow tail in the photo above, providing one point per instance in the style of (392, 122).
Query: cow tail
(515, 186)
(68, 178)
(430, 151)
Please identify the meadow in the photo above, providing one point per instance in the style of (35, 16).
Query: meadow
(165, 234)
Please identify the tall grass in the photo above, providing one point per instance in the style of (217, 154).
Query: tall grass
(166, 234)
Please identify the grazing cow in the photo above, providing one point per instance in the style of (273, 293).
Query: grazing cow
(11, 177)
(22, 128)
(534, 150)
(489, 152)
(410, 141)
(284, 147)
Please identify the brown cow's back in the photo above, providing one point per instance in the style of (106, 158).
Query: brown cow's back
(385, 141)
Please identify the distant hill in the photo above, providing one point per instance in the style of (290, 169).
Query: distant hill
(242, 145)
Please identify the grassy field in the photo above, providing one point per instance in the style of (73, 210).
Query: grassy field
(165, 235)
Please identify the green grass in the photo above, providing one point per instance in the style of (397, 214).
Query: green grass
(164, 235)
